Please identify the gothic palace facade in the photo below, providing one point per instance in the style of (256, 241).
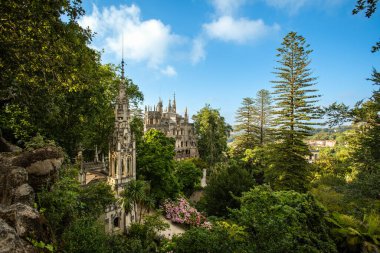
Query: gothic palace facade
(173, 125)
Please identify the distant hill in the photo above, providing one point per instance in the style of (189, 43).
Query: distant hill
(328, 133)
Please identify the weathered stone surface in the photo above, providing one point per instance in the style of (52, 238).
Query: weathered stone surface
(27, 158)
(11, 177)
(23, 218)
(10, 242)
(24, 194)
(42, 166)
(21, 173)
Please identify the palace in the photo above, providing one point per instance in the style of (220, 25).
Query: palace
(173, 125)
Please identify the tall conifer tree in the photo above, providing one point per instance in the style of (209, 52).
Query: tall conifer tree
(295, 108)
(263, 110)
(246, 117)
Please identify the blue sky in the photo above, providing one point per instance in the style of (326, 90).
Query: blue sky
(220, 51)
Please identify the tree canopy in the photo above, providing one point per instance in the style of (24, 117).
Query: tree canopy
(212, 131)
(155, 164)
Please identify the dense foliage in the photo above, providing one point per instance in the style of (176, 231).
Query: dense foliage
(284, 221)
(226, 182)
(188, 175)
(222, 237)
(66, 202)
(155, 164)
(52, 83)
(212, 131)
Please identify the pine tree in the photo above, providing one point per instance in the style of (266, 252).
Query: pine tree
(295, 108)
(246, 117)
(263, 110)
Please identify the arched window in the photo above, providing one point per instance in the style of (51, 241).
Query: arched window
(116, 222)
(128, 166)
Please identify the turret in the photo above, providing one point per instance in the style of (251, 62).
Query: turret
(186, 116)
(170, 106)
(159, 106)
(174, 105)
(122, 104)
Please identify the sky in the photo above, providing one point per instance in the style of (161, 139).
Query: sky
(219, 51)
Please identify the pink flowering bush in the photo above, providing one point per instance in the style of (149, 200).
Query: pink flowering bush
(181, 212)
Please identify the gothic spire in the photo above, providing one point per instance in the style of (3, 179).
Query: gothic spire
(186, 116)
(159, 105)
(174, 104)
(122, 68)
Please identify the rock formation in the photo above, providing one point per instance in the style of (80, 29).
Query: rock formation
(21, 175)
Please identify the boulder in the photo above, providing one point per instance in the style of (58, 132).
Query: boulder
(10, 242)
(24, 219)
(21, 174)
(42, 166)
(24, 194)
(11, 178)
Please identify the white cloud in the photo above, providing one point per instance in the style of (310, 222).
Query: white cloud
(239, 30)
(144, 40)
(198, 51)
(169, 71)
(227, 7)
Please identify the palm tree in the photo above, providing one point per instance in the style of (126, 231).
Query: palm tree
(136, 199)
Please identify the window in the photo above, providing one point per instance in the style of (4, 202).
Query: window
(128, 166)
(116, 222)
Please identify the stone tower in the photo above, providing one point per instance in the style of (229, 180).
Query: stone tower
(122, 157)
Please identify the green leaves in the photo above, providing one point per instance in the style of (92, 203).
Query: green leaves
(136, 195)
(67, 201)
(295, 109)
(226, 182)
(155, 164)
(212, 132)
(283, 221)
(189, 176)
(354, 235)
